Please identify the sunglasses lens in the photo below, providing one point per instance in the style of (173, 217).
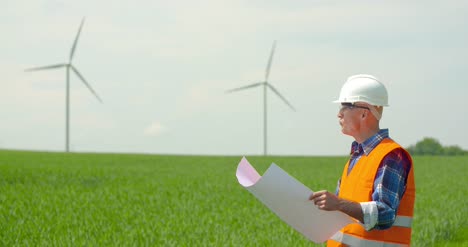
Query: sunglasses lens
(345, 106)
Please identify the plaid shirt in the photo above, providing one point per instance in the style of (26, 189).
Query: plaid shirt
(390, 180)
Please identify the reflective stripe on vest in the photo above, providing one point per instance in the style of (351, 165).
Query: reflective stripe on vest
(361, 242)
(403, 221)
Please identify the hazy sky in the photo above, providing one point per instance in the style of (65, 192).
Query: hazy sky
(161, 68)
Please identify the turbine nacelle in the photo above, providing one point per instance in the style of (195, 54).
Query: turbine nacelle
(266, 84)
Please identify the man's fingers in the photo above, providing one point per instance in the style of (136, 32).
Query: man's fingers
(316, 194)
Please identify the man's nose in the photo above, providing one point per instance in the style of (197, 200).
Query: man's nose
(340, 114)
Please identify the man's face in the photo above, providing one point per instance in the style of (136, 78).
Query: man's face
(350, 116)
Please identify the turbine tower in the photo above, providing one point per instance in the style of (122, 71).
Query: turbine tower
(265, 85)
(69, 66)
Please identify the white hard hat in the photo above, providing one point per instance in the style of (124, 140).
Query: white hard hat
(363, 88)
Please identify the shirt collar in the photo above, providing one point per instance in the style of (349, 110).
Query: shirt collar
(368, 145)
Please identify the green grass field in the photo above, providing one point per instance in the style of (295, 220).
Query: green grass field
(57, 199)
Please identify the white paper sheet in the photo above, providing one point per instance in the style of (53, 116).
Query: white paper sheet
(288, 198)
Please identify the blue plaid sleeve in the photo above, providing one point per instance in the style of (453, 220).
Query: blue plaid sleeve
(337, 190)
(389, 186)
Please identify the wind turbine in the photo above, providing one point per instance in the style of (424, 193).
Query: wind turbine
(69, 66)
(265, 85)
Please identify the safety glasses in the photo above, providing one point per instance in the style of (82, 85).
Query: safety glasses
(345, 106)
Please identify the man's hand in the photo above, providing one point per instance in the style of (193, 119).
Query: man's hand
(330, 202)
(325, 200)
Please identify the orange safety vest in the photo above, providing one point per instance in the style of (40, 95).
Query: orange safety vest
(358, 186)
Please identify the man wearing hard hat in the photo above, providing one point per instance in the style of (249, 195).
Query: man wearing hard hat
(377, 185)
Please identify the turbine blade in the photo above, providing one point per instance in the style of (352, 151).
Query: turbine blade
(270, 60)
(281, 96)
(85, 82)
(55, 66)
(72, 52)
(245, 87)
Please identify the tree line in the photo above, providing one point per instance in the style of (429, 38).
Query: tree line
(431, 146)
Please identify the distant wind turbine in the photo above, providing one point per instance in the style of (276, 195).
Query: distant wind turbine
(69, 66)
(265, 85)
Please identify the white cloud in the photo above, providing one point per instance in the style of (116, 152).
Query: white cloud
(154, 129)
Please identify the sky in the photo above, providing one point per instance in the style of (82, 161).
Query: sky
(162, 69)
